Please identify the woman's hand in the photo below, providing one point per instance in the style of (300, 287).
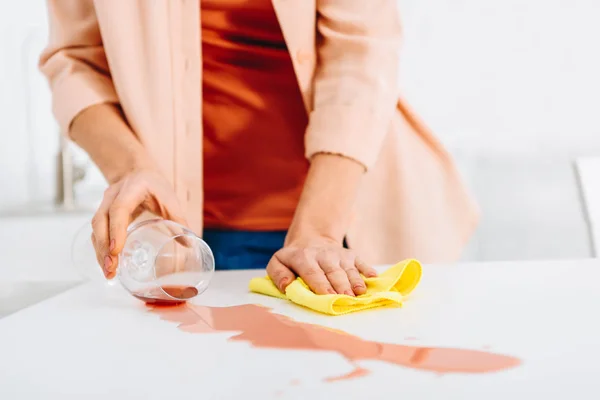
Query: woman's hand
(323, 263)
(313, 247)
(125, 200)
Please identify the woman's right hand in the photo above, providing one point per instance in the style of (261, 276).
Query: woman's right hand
(125, 200)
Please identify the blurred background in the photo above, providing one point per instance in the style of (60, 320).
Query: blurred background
(511, 87)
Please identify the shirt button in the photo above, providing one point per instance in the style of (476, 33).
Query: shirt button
(188, 195)
(186, 64)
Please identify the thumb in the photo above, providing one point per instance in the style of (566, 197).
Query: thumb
(281, 275)
(173, 209)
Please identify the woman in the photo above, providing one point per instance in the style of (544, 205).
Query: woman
(271, 127)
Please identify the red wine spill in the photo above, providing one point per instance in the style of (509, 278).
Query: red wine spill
(356, 373)
(261, 328)
(168, 295)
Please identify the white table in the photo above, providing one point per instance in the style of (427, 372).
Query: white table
(17, 294)
(90, 343)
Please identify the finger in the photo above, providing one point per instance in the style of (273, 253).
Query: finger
(96, 250)
(113, 271)
(108, 274)
(356, 281)
(120, 213)
(173, 209)
(281, 275)
(306, 266)
(100, 230)
(365, 268)
(175, 212)
(336, 275)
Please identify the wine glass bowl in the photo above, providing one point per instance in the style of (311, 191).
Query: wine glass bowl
(162, 262)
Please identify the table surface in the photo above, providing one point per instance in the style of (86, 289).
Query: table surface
(537, 320)
(17, 294)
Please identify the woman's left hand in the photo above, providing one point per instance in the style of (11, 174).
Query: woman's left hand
(323, 263)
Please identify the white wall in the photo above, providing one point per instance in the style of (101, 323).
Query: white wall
(510, 76)
(29, 138)
(511, 86)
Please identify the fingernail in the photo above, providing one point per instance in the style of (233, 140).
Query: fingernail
(331, 291)
(107, 263)
(112, 244)
(283, 283)
(358, 287)
(371, 274)
(349, 293)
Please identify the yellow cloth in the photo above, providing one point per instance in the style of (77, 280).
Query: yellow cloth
(385, 290)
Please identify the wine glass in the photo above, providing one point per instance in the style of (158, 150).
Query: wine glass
(162, 262)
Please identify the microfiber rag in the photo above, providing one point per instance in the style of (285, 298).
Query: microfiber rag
(385, 290)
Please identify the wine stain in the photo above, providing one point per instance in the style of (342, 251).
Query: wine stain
(355, 373)
(167, 295)
(261, 328)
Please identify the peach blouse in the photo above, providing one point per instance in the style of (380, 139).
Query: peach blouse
(147, 57)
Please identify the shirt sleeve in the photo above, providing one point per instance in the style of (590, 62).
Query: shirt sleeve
(356, 80)
(74, 61)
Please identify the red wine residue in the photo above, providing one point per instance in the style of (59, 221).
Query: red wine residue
(261, 328)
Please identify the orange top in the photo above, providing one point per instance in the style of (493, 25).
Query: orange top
(254, 118)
